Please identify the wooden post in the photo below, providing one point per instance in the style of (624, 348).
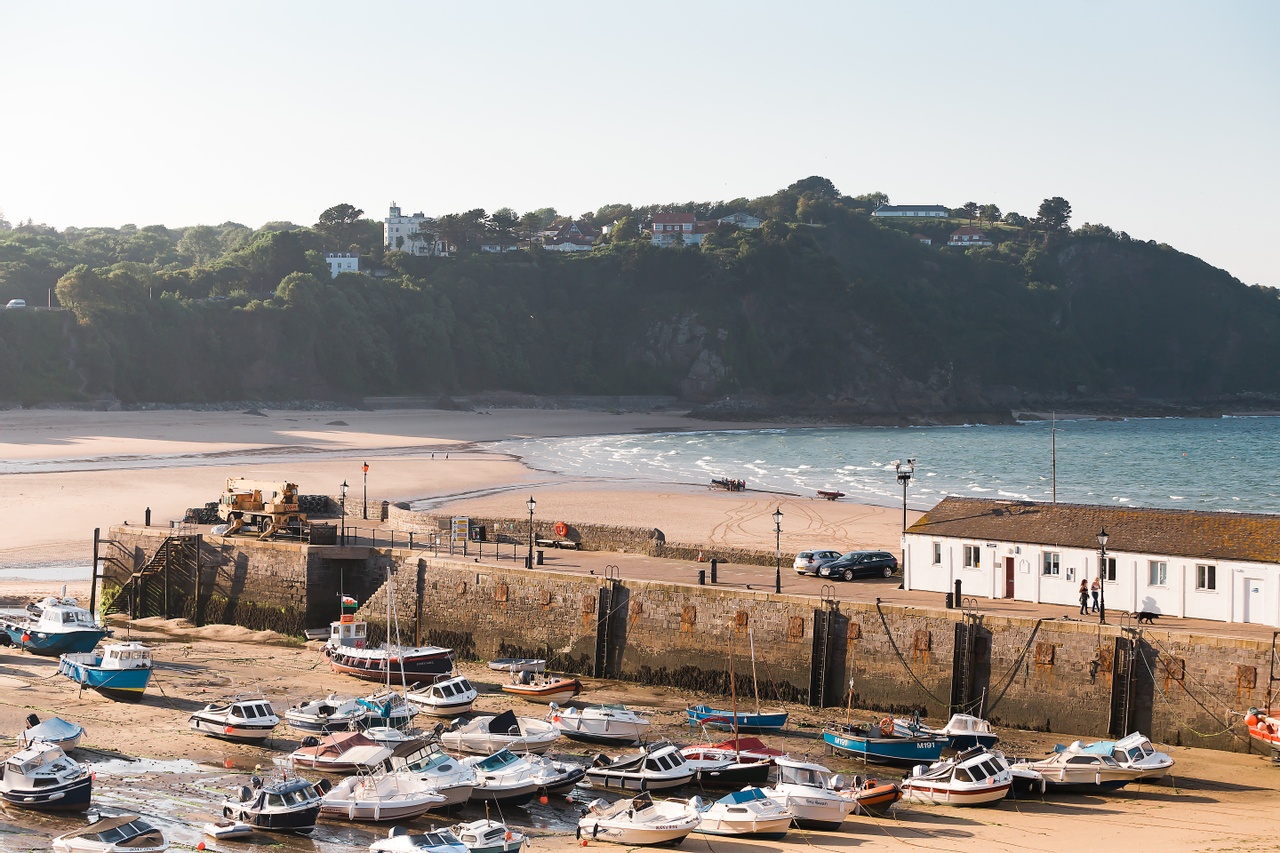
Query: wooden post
(198, 611)
(93, 578)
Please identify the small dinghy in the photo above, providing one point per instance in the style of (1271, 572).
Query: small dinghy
(228, 830)
(812, 793)
(746, 813)
(390, 736)
(41, 776)
(340, 752)
(518, 665)
(284, 802)
(1132, 752)
(447, 696)
(122, 672)
(400, 840)
(330, 714)
(640, 821)
(1264, 727)
(504, 778)
(486, 735)
(379, 796)
(739, 721)
(489, 836)
(242, 719)
(975, 777)
(449, 777)
(54, 730)
(543, 688)
(126, 833)
(654, 768)
(555, 777)
(605, 724)
(872, 796)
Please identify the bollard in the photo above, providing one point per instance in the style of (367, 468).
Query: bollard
(714, 565)
(957, 598)
(949, 605)
(147, 523)
(410, 540)
(540, 553)
(702, 577)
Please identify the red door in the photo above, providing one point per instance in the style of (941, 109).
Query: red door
(1008, 577)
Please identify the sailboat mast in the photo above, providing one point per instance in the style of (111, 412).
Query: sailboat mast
(755, 683)
(733, 693)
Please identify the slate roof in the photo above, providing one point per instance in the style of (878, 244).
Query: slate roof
(1195, 534)
(670, 218)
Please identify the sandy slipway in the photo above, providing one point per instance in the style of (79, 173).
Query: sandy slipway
(146, 759)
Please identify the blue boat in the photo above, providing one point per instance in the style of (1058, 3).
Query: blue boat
(889, 741)
(122, 672)
(53, 627)
(742, 721)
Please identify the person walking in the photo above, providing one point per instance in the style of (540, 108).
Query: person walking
(1095, 588)
(1084, 597)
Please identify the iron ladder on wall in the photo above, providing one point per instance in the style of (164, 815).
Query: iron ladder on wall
(824, 630)
(963, 656)
(1124, 673)
(604, 620)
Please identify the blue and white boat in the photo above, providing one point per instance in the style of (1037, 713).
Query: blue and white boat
(742, 721)
(41, 776)
(889, 741)
(54, 730)
(964, 731)
(122, 672)
(55, 626)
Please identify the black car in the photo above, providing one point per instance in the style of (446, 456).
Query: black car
(857, 563)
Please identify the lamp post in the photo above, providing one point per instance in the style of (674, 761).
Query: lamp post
(905, 473)
(366, 490)
(777, 550)
(1102, 576)
(344, 512)
(531, 503)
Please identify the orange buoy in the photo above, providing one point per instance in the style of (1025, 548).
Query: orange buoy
(1251, 720)
(562, 529)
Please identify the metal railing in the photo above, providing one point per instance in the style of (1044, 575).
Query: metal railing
(437, 543)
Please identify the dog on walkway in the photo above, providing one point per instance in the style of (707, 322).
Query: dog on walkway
(1147, 616)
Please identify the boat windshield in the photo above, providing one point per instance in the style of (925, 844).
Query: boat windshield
(498, 760)
(804, 776)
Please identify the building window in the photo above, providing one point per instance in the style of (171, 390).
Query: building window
(972, 557)
(1052, 563)
(1109, 570)
(937, 553)
(1206, 576)
(1158, 573)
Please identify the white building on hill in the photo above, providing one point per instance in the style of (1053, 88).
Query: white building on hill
(401, 233)
(340, 262)
(935, 210)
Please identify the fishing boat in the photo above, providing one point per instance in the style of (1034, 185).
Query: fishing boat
(733, 719)
(1132, 752)
(284, 802)
(884, 742)
(54, 730)
(489, 836)
(655, 767)
(542, 688)
(518, 664)
(872, 796)
(330, 714)
(964, 731)
(607, 724)
(1074, 770)
(126, 833)
(812, 793)
(446, 696)
(449, 777)
(974, 777)
(746, 813)
(340, 752)
(55, 626)
(640, 821)
(486, 735)
(347, 653)
(41, 776)
(379, 796)
(122, 672)
(735, 763)
(504, 778)
(400, 840)
(1263, 727)
(241, 719)
(741, 749)
(227, 830)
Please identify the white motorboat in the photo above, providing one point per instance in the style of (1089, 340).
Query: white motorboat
(54, 730)
(227, 829)
(974, 777)
(390, 736)
(640, 821)
(1132, 752)
(489, 836)
(556, 777)
(1075, 770)
(379, 796)
(518, 665)
(486, 735)
(330, 714)
(53, 627)
(449, 777)
(504, 778)
(655, 767)
(126, 833)
(41, 776)
(447, 696)
(340, 752)
(965, 731)
(399, 840)
(284, 802)
(387, 707)
(241, 719)
(749, 812)
(607, 724)
(811, 792)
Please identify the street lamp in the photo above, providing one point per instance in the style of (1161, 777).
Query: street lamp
(344, 512)
(1102, 575)
(905, 473)
(531, 503)
(777, 550)
(366, 490)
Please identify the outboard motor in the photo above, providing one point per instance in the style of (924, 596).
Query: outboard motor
(601, 760)
(32, 720)
(397, 831)
(244, 794)
(310, 740)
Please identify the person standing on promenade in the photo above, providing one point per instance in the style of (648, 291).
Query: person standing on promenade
(1095, 588)
(1084, 597)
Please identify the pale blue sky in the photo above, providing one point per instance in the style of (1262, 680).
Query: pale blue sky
(1157, 118)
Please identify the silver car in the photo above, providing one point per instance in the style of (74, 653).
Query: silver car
(809, 562)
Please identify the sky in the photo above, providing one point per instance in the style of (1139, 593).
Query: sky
(1160, 119)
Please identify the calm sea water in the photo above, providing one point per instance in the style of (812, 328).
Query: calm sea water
(1228, 464)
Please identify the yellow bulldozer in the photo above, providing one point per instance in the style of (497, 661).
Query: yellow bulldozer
(267, 508)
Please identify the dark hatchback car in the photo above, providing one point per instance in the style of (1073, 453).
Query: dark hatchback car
(859, 563)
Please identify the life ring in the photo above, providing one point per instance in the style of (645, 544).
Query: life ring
(886, 726)
(562, 529)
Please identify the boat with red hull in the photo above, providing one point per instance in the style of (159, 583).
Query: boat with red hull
(390, 664)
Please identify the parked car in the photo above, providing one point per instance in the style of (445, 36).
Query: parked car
(17, 303)
(809, 562)
(857, 563)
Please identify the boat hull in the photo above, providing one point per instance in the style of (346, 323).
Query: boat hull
(121, 685)
(561, 691)
(769, 829)
(416, 667)
(702, 715)
(638, 782)
(735, 776)
(639, 836)
(298, 820)
(71, 797)
(944, 795)
(887, 750)
(443, 709)
(54, 644)
(237, 733)
(506, 795)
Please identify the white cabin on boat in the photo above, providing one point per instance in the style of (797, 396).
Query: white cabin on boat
(348, 632)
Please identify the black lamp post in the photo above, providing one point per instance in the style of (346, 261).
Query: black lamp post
(1102, 576)
(777, 550)
(366, 490)
(531, 503)
(905, 473)
(344, 512)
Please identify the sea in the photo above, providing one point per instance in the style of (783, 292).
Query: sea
(1229, 464)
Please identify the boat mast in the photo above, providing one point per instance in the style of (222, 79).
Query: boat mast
(755, 684)
(733, 693)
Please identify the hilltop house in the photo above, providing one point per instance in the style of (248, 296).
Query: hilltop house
(680, 229)
(968, 236)
(741, 219)
(937, 210)
(571, 237)
(340, 262)
(496, 243)
(1204, 565)
(928, 241)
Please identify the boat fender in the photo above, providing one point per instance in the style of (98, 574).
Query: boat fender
(577, 832)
